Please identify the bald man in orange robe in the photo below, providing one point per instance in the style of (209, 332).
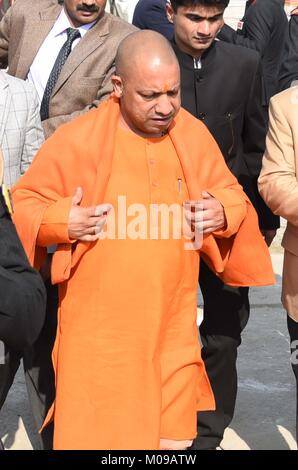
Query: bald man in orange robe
(127, 359)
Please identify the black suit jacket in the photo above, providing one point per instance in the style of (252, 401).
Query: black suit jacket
(264, 28)
(225, 93)
(289, 68)
(22, 292)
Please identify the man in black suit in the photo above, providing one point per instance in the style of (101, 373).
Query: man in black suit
(151, 14)
(263, 28)
(22, 300)
(289, 68)
(221, 85)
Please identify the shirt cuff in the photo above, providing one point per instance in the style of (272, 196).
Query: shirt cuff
(54, 226)
(235, 211)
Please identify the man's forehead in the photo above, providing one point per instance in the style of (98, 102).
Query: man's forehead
(202, 11)
(166, 86)
(161, 87)
(153, 69)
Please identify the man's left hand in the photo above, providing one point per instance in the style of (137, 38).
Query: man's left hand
(208, 216)
(213, 214)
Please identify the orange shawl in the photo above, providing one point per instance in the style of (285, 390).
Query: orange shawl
(80, 154)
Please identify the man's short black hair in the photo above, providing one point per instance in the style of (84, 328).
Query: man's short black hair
(199, 3)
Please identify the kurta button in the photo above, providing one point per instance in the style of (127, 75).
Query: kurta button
(151, 161)
(154, 184)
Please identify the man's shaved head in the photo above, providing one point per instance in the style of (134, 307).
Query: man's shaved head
(147, 81)
(143, 46)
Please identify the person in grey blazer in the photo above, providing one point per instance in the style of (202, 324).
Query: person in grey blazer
(21, 133)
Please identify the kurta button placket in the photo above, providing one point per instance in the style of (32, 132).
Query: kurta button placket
(153, 172)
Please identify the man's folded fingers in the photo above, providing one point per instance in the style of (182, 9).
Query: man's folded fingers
(98, 211)
(102, 209)
(94, 228)
(93, 221)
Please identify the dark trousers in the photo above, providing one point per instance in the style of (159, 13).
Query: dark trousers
(38, 368)
(8, 371)
(293, 332)
(226, 312)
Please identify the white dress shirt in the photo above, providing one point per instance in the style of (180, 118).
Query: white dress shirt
(46, 56)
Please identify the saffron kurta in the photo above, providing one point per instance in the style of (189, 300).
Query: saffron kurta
(127, 357)
(138, 366)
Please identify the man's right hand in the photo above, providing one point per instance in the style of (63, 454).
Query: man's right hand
(86, 223)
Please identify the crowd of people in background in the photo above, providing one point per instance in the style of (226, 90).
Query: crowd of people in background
(164, 103)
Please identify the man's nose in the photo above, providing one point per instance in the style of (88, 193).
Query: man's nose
(164, 105)
(204, 27)
(89, 2)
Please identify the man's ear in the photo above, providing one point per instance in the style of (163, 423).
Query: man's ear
(222, 23)
(117, 85)
(170, 12)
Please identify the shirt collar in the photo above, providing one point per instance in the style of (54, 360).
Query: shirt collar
(62, 23)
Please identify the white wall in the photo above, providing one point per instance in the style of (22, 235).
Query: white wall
(234, 12)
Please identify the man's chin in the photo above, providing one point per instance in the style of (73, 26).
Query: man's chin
(202, 46)
(162, 129)
(155, 131)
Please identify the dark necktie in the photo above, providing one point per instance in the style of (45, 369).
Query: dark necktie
(72, 35)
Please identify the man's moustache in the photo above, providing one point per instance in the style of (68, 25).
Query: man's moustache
(88, 9)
